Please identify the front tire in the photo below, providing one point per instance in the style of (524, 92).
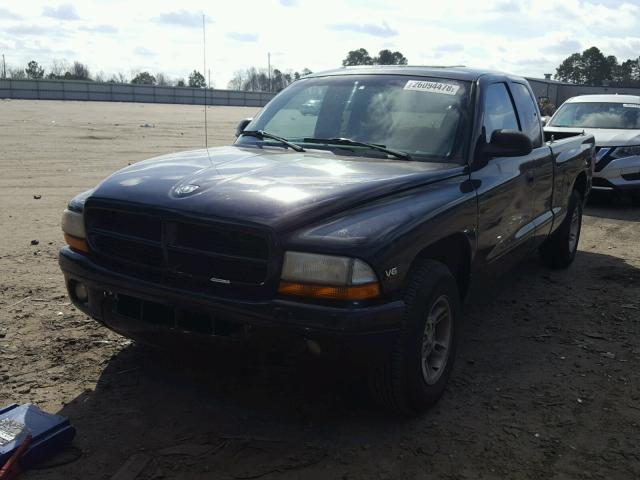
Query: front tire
(559, 250)
(414, 376)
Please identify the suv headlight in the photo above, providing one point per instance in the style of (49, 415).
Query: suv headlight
(327, 277)
(622, 152)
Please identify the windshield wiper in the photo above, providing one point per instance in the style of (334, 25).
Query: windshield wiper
(261, 134)
(354, 143)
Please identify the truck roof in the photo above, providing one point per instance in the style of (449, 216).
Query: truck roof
(455, 72)
(609, 98)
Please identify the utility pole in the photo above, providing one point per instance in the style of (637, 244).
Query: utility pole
(204, 70)
(269, 64)
(4, 68)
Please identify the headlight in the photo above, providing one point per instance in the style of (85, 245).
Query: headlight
(622, 152)
(73, 227)
(73, 223)
(328, 277)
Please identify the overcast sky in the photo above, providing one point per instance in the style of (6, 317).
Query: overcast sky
(519, 36)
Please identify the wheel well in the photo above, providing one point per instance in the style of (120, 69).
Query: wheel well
(455, 253)
(581, 184)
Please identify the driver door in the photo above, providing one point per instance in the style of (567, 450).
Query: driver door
(505, 190)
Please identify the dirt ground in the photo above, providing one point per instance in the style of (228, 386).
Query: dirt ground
(546, 384)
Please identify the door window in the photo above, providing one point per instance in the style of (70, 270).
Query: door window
(498, 110)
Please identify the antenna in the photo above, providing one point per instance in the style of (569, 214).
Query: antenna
(204, 61)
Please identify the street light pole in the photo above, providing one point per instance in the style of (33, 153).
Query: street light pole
(269, 64)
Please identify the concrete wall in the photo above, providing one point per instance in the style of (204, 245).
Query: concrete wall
(117, 92)
(558, 92)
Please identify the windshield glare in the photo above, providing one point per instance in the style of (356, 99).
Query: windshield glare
(598, 115)
(424, 117)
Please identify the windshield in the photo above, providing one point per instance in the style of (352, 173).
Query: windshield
(425, 118)
(598, 115)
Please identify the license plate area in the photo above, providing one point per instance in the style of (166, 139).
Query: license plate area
(167, 316)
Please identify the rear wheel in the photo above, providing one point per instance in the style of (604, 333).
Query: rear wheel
(415, 374)
(559, 250)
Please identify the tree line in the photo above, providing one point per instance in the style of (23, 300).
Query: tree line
(385, 57)
(261, 80)
(592, 67)
(250, 79)
(62, 70)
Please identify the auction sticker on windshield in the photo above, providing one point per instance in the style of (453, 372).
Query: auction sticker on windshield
(631, 105)
(434, 87)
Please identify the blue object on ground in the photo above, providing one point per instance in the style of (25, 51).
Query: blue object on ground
(50, 432)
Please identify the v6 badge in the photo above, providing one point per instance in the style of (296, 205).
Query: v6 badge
(390, 273)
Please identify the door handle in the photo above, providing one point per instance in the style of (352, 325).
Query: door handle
(530, 176)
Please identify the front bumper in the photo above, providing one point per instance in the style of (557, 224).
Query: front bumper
(105, 286)
(621, 174)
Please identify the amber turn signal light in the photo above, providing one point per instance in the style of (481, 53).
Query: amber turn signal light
(329, 292)
(77, 244)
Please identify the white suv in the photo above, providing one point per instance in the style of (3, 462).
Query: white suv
(614, 120)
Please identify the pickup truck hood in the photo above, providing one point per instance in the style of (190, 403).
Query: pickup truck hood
(605, 137)
(269, 186)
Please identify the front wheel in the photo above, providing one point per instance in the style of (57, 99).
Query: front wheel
(415, 374)
(559, 250)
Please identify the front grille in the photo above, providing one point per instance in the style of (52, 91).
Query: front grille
(126, 249)
(603, 157)
(179, 251)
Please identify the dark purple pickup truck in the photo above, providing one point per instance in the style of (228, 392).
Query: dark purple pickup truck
(361, 222)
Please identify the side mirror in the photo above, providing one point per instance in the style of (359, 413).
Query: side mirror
(508, 143)
(544, 121)
(242, 125)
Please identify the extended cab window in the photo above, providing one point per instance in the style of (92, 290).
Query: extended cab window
(528, 113)
(498, 110)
